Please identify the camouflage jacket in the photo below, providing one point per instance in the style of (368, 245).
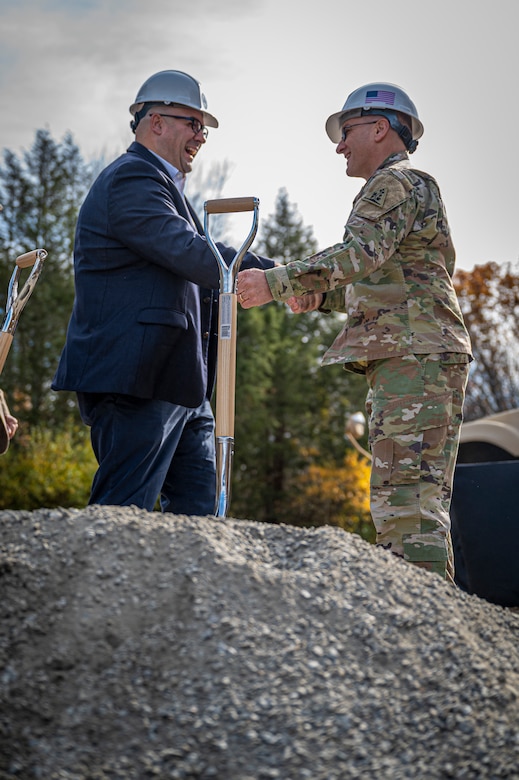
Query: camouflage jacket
(391, 275)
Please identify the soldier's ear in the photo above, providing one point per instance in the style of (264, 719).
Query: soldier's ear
(382, 128)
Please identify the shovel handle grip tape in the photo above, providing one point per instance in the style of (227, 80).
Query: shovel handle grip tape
(29, 258)
(228, 205)
(6, 339)
(226, 375)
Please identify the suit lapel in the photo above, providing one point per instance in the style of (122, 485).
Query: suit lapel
(183, 206)
(181, 203)
(194, 217)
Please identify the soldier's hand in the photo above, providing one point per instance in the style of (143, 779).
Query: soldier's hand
(303, 303)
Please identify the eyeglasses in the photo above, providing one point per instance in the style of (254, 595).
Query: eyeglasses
(346, 129)
(196, 125)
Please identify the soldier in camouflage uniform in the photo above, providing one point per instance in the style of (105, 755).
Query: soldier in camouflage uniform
(392, 276)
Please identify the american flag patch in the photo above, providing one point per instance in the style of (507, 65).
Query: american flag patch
(380, 96)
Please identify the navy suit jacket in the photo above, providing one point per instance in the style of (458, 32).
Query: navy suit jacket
(144, 321)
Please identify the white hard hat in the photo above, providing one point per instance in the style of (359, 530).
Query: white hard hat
(377, 98)
(172, 86)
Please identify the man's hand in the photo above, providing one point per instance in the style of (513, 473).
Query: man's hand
(11, 424)
(252, 288)
(303, 303)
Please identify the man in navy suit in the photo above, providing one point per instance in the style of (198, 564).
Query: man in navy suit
(141, 344)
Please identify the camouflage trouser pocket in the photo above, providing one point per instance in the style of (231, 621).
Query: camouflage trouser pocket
(407, 439)
(423, 548)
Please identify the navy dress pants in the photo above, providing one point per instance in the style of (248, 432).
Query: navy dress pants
(148, 449)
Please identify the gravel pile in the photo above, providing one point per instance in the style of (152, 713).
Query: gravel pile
(135, 645)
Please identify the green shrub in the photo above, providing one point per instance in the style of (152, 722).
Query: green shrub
(43, 468)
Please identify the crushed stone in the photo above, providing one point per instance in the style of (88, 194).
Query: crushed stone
(137, 645)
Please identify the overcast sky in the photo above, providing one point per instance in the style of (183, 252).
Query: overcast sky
(273, 71)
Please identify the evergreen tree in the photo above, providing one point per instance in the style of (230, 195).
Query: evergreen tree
(41, 194)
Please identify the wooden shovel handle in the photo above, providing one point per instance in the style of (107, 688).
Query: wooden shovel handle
(6, 339)
(227, 205)
(226, 375)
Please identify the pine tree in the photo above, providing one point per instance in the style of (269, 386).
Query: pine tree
(41, 194)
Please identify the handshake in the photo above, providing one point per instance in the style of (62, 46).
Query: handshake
(253, 289)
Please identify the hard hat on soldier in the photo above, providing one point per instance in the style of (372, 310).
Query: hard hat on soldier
(375, 98)
(172, 87)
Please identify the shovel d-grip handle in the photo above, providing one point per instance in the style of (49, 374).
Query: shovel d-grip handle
(230, 205)
(29, 258)
(227, 322)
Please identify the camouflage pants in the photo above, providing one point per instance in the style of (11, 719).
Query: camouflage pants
(414, 406)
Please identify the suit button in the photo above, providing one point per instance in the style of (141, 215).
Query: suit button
(206, 335)
(207, 299)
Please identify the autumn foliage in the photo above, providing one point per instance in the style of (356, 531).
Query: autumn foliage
(489, 298)
(333, 494)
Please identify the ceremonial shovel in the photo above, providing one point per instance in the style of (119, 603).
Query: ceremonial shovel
(14, 306)
(16, 300)
(226, 367)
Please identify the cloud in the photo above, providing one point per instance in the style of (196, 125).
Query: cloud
(272, 71)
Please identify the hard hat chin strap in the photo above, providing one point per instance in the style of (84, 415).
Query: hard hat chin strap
(402, 131)
(139, 115)
(144, 110)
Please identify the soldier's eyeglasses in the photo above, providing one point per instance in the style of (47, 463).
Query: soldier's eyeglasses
(346, 129)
